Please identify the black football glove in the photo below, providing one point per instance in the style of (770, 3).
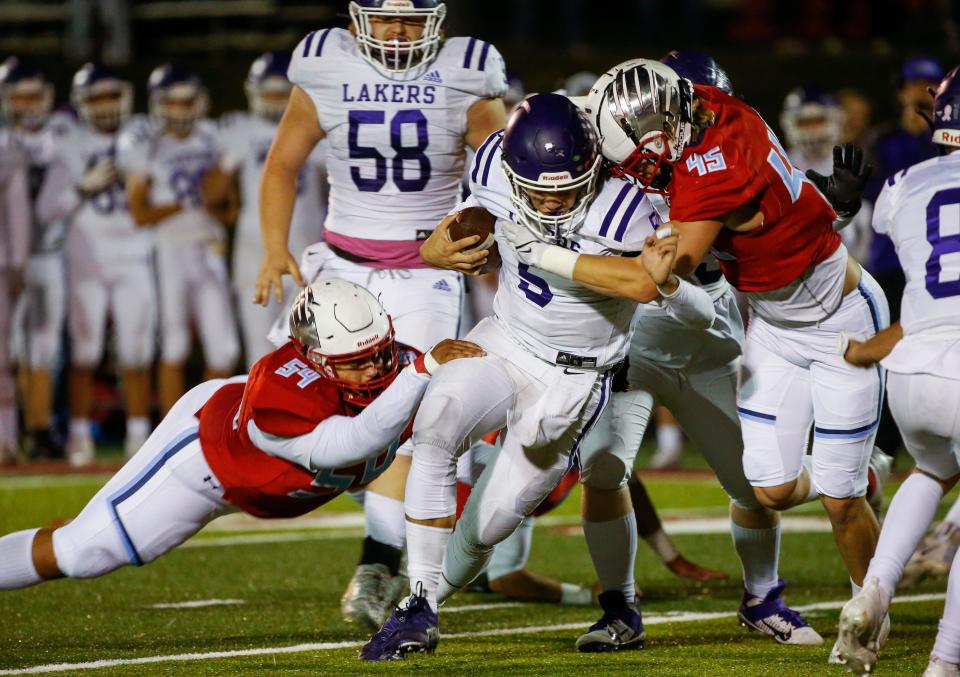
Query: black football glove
(844, 187)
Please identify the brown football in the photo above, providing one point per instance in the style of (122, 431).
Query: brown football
(477, 221)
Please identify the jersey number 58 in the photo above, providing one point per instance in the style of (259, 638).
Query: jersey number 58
(403, 176)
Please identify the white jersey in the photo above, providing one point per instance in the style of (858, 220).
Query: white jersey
(396, 147)
(14, 206)
(245, 141)
(919, 209)
(102, 222)
(856, 234)
(39, 147)
(558, 319)
(664, 340)
(174, 168)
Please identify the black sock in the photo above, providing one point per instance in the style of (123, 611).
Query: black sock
(375, 552)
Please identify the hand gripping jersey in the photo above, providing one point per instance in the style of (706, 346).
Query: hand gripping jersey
(738, 162)
(103, 221)
(396, 147)
(287, 398)
(40, 148)
(558, 319)
(919, 209)
(175, 168)
(244, 141)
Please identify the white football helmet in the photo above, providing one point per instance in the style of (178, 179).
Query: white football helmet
(333, 322)
(398, 57)
(642, 110)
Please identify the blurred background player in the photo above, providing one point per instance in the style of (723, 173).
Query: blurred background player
(245, 140)
(919, 210)
(164, 166)
(27, 100)
(398, 106)
(14, 248)
(812, 122)
(108, 258)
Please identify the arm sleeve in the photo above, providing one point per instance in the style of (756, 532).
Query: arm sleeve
(17, 204)
(57, 199)
(690, 305)
(344, 440)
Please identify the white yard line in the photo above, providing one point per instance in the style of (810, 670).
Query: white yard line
(654, 619)
(197, 603)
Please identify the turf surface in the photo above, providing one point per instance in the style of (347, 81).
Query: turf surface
(290, 592)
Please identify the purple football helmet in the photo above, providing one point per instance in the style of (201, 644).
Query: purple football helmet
(812, 120)
(267, 86)
(177, 98)
(946, 110)
(549, 146)
(26, 96)
(103, 99)
(698, 68)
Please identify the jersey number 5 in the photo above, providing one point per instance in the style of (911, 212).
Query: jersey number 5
(943, 214)
(414, 153)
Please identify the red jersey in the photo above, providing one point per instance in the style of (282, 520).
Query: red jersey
(286, 397)
(739, 162)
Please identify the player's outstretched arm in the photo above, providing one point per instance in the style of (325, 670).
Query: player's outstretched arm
(438, 251)
(868, 353)
(688, 304)
(298, 134)
(343, 440)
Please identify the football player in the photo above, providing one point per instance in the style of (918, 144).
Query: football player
(398, 105)
(812, 122)
(108, 259)
(164, 165)
(726, 175)
(323, 414)
(14, 248)
(918, 210)
(245, 140)
(552, 345)
(26, 98)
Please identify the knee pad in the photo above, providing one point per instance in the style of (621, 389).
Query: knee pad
(79, 556)
(605, 471)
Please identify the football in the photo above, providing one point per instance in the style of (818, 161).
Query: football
(477, 221)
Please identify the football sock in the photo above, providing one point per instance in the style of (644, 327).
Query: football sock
(669, 438)
(138, 426)
(661, 544)
(613, 549)
(385, 519)
(79, 428)
(425, 549)
(16, 560)
(906, 521)
(759, 552)
(953, 515)
(375, 552)
(947, 646)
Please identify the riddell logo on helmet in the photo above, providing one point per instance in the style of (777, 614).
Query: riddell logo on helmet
(947, 136)
(366, 342)
(559, 176)
(398, 4)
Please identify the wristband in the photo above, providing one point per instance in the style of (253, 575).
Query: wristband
(558, 261)
(425, 364)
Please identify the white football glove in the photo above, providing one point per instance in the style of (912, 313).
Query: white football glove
(530, 249)
(98, 178)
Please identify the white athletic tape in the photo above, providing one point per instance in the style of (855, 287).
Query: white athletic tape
(664, 231)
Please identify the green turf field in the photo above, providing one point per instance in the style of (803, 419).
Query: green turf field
(278, 589)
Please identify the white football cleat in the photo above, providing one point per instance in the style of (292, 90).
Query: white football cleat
(939, 668)
(934, 556)
(864, 626)
(368, 596)
(80, 451)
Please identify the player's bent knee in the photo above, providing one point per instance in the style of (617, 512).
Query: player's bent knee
(844, 511)
(776, 497)
(89, 559)
(605, 471)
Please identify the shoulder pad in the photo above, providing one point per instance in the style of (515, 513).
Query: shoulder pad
(621, 217)
(475, 66)
(316, 54)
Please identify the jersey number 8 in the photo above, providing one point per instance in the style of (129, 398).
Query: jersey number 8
(943, 244)
(415, 153)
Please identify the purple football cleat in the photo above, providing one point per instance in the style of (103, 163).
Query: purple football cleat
(411, 628)
(771, 616)
(619, 629)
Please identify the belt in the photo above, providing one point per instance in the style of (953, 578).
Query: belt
(584, 362)
(352, 258)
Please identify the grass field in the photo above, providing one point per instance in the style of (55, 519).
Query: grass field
(277, 587)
